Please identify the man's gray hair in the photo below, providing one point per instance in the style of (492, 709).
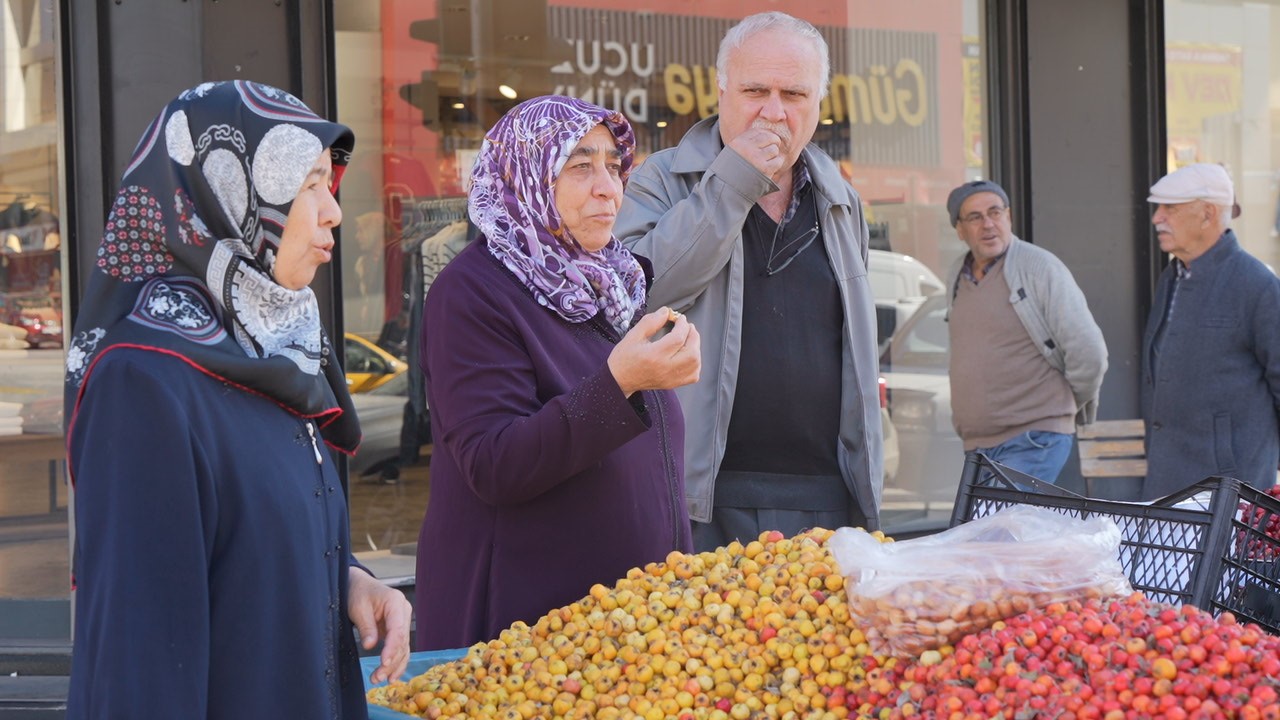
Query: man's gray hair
(1224, 216)
(752, 24)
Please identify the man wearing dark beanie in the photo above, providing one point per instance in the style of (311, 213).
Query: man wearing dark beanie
(1027, 358)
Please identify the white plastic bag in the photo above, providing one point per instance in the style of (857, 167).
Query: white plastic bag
(920, 594)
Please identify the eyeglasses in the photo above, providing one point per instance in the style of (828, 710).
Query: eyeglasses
(995, 215)
(801, 243)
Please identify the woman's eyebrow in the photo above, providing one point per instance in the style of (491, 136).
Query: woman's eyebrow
(592, 150)
(319, 172)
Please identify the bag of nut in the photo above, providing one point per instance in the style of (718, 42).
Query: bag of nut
(921, 594)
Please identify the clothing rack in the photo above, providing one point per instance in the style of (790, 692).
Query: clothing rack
(421, 219)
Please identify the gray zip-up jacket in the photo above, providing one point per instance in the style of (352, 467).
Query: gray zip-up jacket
(1056, 315)
(684, 210)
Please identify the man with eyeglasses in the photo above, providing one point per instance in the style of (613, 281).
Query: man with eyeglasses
(1211, 351)
(1027, 358)
(757, 237)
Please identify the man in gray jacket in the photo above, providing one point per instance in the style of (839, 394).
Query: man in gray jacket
(1027, 358)
(754, 234)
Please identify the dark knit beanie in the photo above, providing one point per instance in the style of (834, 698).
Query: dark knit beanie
(962, 193)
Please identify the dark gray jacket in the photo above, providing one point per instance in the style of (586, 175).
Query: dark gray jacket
(684, 210)
(1211, 398)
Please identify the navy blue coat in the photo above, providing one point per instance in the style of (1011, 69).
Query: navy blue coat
(211, 553)
(1212, 397)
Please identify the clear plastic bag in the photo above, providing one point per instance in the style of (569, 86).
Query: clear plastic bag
(921, 594)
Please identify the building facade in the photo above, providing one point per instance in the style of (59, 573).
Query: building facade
(1075, 106)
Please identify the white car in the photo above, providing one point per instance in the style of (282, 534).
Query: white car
(381, 414)
(915, 366)
(900, 284)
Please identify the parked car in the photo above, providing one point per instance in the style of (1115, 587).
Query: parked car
(38, 313)
(12, 337)
(381, 414)
(367, 365)
(900, 284)
(43, 326)
(915, 368)
(892, 454)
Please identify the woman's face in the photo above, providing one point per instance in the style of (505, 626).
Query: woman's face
(306, 242)
(588, 190)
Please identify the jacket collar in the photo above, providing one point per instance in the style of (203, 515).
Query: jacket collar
(1216, 255)
(702, 144)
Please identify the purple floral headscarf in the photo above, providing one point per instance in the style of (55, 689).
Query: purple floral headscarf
(512, 201)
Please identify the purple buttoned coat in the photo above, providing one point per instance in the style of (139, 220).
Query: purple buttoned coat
(545, 479)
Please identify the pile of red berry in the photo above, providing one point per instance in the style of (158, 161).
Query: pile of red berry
(1262, 539)
(1115, 659)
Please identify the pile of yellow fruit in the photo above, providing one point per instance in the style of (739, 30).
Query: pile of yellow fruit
(754, 631)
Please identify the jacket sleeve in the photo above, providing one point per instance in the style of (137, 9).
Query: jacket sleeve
(143, 516)
(509, 444)
(1079, 339)
(689, 238)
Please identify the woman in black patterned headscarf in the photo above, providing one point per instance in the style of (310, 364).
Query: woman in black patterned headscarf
(212, 567)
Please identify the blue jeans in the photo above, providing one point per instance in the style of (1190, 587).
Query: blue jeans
(1038, 453)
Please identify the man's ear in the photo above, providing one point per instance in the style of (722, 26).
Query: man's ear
(1208, 214)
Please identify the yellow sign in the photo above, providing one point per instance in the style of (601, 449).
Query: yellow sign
(971, 66)
(1201, 81)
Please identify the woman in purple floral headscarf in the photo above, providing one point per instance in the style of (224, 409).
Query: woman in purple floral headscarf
(558, 440)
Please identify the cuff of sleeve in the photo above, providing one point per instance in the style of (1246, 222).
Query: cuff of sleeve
(740, 175)
(615, 406)
(353, 562)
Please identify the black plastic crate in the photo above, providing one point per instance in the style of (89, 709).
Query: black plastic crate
(1204, 545)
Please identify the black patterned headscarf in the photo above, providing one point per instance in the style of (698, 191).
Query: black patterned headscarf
(186, 261)
(512, 202)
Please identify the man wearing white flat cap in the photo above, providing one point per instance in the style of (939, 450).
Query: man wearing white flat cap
(1211, 352)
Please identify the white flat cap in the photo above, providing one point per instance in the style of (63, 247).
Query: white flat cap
(1201, 181)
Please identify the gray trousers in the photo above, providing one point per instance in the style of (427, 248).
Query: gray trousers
(747, 504)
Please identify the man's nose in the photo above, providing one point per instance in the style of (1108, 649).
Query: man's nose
(773, 109)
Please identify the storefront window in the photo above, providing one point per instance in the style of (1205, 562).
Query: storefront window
(1222, 74)
(34, 565)
(420, 82)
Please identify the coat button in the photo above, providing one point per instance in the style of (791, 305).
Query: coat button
(1156, 425)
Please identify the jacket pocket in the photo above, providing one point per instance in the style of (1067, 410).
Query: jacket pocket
(1223, 455)
(1220, 321)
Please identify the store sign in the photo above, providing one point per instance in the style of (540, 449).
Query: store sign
(616, 75)
(655, 67)
(1202, 81)
(972, 110)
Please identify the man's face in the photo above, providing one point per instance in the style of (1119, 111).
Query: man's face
(1184, 230)
(774, 81)
(985, 226)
